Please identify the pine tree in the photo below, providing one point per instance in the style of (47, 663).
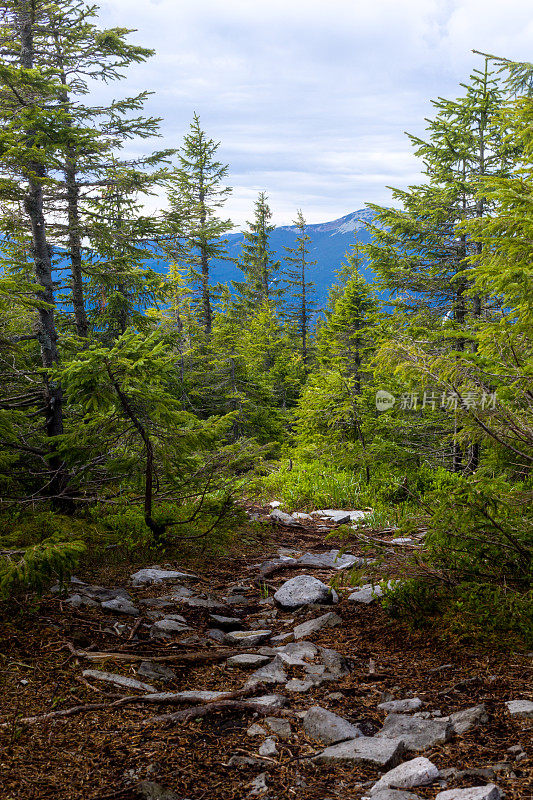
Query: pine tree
(197, 194)
(262, 282)
(300, 306)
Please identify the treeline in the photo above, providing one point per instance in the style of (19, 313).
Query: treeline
(155, 396)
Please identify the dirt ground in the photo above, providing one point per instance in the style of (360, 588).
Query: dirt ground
(108, 753)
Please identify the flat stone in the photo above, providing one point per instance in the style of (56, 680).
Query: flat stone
(204, 602)
(337, 665)
(167, 627)
(416, 733)
(158, 575)
(384, 753)
(119, 605)
(489, 792)
(297, 654)
(331, 560)
(282, 518)
(468, 718)
(301, 515)
(417, 772)
(333, 514)
(366, 594)
(245, 761)
(256, 730)
(226, 623)
(102, 593)
(268, 748)
(199, 696)
(247, 660)
(247, 638)
(216, 634)
(281, 727)
(303, 590)
(118, 680)
(282, 638)
(402, 706)
(180, 593)
(520, 708)
(328, 728)
(270, 702)
(78, 601)
(393, 794)
(156, 602)
(155, 671)
(298, 685)
(306, 629)
(270, 673)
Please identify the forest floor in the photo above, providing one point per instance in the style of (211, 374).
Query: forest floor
(120, 752)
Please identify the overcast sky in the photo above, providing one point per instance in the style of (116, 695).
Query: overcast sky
(310, 98)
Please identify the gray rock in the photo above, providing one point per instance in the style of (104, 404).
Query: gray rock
(102, 594)
(270, 702)
(520, 708)
(282, 638)
(180, 593)
(270, 673)
(282, 518)
(247, 660)
(366, 594)
(216, 634)
(168, 627)
(154, 791)
(331, 560)
(468, 718)
(417, 772)
(78, 601)
(384, 753)
(199, 695)
(118, 680)
(298, 685)
(247, 638)
(402, 706)
(268, 748)
(393, 794)
(155, 671)
(120, 605)
(328, 728)
(204, 602)
(281, 727)
(303, 590)
(245, 761)
(297, 654)
(301, 515)
(306, 629)
(416, 733)
(157, 575)
(237, 600)
(156, 602)
(226, 623)
(337, 665)
(259, 785)
(256, 730)
(489, 792)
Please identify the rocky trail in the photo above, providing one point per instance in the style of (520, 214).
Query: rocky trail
(248, 676)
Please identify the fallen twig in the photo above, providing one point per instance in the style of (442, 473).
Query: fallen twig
(197, 656)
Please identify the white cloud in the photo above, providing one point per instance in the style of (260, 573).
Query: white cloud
(310, 98)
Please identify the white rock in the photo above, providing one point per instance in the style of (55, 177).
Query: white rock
(417, 772)
(416, 733)
(304, 590)
(282, 518)
(331, 560)
(402, 706)
(158, 575)
(366, 594)
(247, 638)
(268, 748)
(306, 629)
(488, 792)
(520, 708)
(334, 514)
(301, 515)
(275, 504)
(364, 750)
(393, 794)
(118, 680)
(328, 728)
(297, 654)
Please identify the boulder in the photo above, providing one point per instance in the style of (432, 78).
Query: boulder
(401, 706)
(384, 753)
(306, 629)
(158, 575)
(416, 733)
(417, 772)
(520, 708)
(328, 728)
(118, 680)
(489, 792)
(303, 590)
(247, 638)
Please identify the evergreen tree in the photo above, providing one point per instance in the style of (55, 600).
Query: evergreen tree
(262, 281)
(197, 193)
(301, 306)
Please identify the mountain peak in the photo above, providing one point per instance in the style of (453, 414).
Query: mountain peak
(356, 220)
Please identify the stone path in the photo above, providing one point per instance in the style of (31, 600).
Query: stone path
(281, 659)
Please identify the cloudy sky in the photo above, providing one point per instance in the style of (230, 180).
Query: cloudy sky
(310, 98)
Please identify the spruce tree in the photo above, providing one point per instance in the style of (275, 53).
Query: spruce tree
(262, 281)
(300, 304)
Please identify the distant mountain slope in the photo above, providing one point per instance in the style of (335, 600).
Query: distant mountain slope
(328, 246)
